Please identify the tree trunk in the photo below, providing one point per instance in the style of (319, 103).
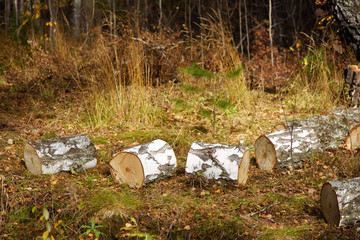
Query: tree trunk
(286, 148)
(16, 8)
(338, 128)
(347, 15)
(76, 17)
(52, 25)
(7, 14)
(217, 161)
(144, 163)
(21, 8)
(51, 156)
(270, 34)
(340, 202)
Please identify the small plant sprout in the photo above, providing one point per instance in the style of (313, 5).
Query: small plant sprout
(93, 229)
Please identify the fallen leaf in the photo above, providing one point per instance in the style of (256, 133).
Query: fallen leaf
(187, 227)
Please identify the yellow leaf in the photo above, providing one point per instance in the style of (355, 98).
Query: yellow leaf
(45, 235)
(37, 15)
(57, 224)
(292, 49)
(306, 61)
(54, 182)
(52, 238)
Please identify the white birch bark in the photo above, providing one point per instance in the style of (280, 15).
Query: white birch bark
(217, 161)
(286, 148)
(51, 156)
(144, 163)
(340, 202)
(337, 128)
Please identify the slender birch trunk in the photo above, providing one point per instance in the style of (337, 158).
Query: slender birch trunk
(240, 28)
(161, 13)
(270, 35)
(247, 31)
(76, 17)
(16, 12)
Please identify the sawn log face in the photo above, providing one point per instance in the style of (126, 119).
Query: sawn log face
(346, 193)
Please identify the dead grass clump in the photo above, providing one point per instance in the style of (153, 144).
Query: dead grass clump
(319, 84)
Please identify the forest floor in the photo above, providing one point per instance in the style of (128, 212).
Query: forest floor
(281, 204)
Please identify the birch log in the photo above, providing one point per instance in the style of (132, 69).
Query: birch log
(352, 84)
(144, 163)
(217, 161)
(338, 128)
(285, 148)
(340, 202)
(50, 156)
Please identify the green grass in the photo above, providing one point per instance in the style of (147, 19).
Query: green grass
(189, 88)
(205, 112)
(298, 232)
(196, 71)
(99, 140)
(110, 200)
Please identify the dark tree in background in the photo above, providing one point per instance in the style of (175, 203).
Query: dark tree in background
(78, 17)
(347, 14)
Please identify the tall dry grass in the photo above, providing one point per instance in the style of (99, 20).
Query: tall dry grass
(318, 85)
(121, 86)
(222, 57)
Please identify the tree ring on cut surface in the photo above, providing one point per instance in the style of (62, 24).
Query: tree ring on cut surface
(329, 205)
(129, 169)
(265, 153)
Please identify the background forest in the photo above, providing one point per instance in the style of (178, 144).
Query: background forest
(128, 72)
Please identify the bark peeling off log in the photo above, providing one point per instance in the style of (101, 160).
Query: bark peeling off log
(144, 163)
(50, 156)
(334, 128)
(286, 148)
(340, 202)
(217, 161)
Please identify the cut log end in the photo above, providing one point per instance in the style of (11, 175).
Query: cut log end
(265, 153)
(329, 205)
(352, 141)
(127, 168)
(32, 160)
(244, 168)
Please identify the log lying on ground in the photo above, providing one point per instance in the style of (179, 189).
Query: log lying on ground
(338, 128)
(144, 163)
(50, 156)
(285, 148)
(352, 84)
(340, 202)
(217, 161)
